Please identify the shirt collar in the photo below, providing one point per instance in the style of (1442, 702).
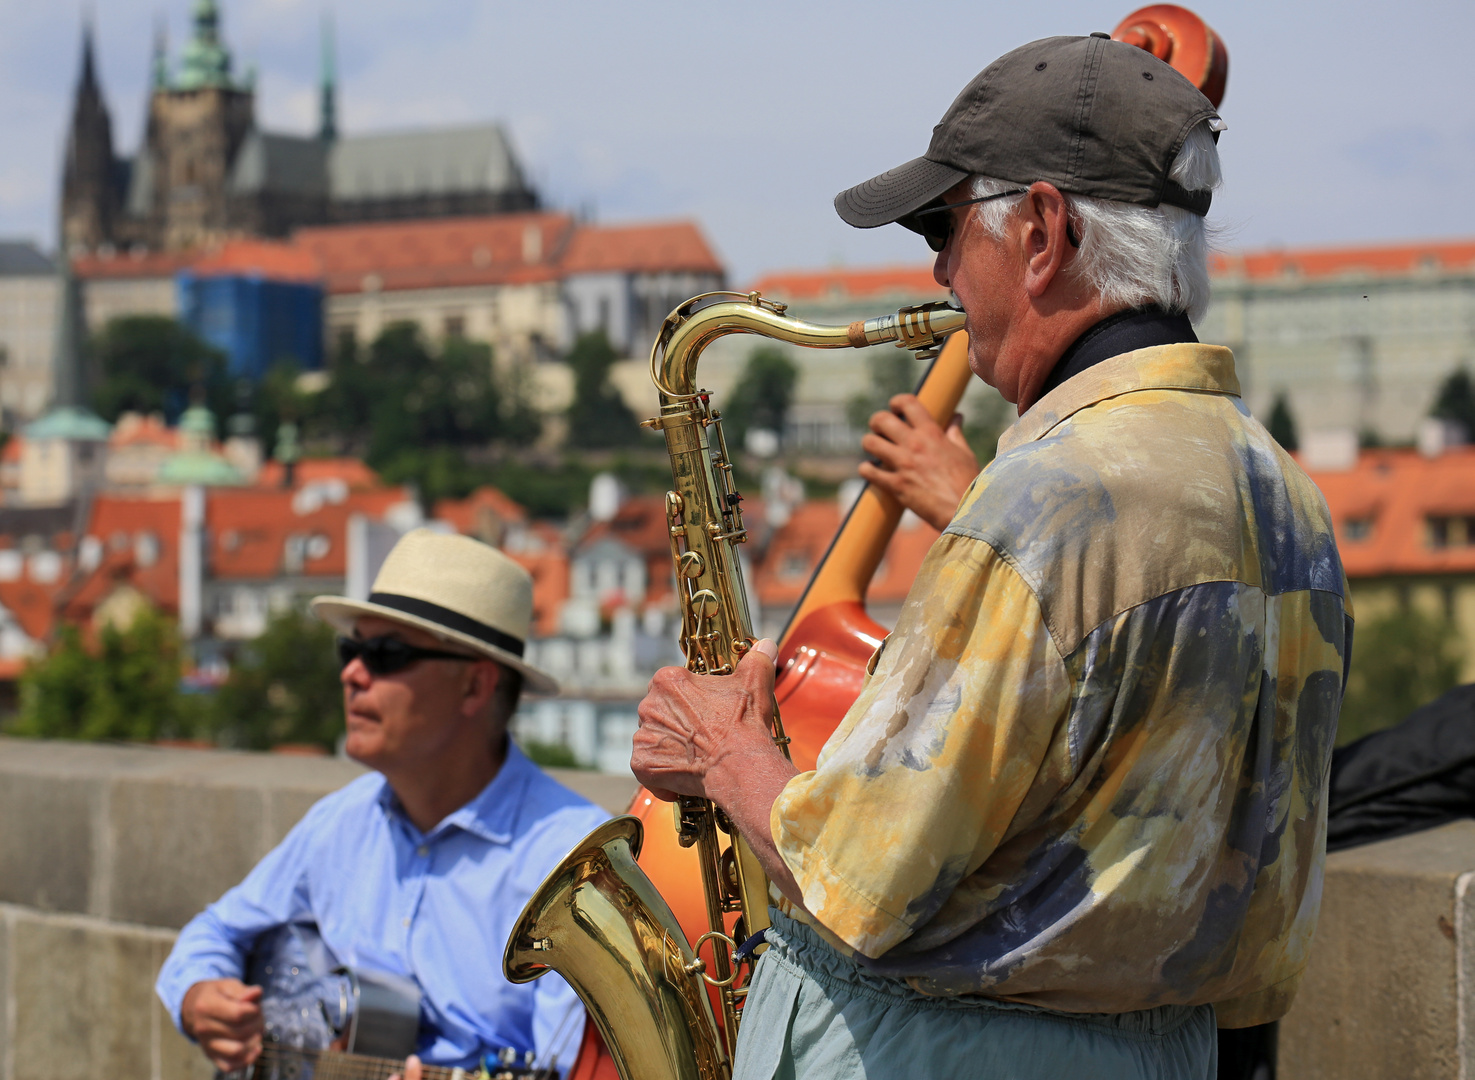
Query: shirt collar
(492, 814)
(1206, 368)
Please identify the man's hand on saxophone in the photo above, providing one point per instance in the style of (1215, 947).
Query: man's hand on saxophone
(708, 735)
(923, 466)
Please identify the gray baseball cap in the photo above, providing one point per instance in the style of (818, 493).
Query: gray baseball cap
(1090, 115)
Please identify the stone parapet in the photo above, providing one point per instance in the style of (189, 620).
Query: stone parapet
(151, 835)
(1390, 990)
(76, 999)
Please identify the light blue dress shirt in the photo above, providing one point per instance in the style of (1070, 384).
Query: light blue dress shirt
(436, 907)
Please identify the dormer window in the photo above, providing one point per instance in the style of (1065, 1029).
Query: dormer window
(1356, 530)
(1451, 530)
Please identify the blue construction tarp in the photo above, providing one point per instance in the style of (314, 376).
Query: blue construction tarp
(258, 323)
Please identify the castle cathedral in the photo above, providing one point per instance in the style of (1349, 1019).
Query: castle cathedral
(206, 172)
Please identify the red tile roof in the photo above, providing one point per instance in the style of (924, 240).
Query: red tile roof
(153, 264)
(640, 524)
(850, 283)
(1373, 259)
(494, 250)
(1393, 494)
(797, 546)
(129, 527)
(649, 248)
(261, 258)
(352, 471)
(466, 514)
(135, 429)
(1380, 260)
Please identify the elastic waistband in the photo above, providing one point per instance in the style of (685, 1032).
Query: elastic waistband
(798, 945)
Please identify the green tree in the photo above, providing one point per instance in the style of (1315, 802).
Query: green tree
(1282, 425)
(126, 687)
(1399, 661)
(416, 415)
(893, 371)
(283, 687)
(989, 417)
(598, 419)
(151, 363)
(1456, 401)
(761, 396)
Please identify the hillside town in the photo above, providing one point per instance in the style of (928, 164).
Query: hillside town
(1130, 707)
(292, 253)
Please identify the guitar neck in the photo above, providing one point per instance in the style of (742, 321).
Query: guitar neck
(279, 1062)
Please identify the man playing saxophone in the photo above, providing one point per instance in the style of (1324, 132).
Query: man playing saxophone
(1077, 815)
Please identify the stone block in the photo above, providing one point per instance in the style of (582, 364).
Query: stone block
(1382, 995)
(6, 994)
(177, 846)
(47, 847)
(602, 789)
(175, 1057)
(81, 997)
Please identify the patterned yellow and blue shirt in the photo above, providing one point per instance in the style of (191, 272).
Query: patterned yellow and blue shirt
(1089, 771)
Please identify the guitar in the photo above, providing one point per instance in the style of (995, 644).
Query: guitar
(326, 1021)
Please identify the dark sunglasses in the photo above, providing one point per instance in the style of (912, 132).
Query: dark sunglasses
(384, 655)
(937, 231)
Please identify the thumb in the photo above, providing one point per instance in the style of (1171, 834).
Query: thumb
(761, 657)
(955, 429)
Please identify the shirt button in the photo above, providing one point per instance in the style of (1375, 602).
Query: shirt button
(407, 922)
(422, 850)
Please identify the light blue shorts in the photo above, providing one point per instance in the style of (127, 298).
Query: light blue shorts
(812, 1014)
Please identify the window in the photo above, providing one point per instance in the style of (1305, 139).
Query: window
(1451, 530)
(1358, 529)
(455, 327)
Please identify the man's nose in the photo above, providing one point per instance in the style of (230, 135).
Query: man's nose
(939, 269)
(355, 675)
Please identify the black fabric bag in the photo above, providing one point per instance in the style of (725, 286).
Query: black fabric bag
(1414, 776)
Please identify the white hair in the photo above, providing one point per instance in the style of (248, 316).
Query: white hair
(1135, 255)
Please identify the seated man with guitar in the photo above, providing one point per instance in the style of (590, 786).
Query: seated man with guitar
(388, 905)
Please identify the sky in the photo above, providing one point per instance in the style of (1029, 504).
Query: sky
(1348, 121)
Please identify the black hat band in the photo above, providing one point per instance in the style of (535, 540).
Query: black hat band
(451, 620)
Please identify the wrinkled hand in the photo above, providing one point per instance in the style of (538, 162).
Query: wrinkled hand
(693, 725)
(413, 1070)
(224, 1017)
(926, 468)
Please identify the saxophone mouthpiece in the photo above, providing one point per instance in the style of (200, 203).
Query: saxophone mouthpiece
(913, 328)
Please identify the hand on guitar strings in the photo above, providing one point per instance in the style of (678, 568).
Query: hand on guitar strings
(413, 1070)
(926, 468)
(709, 736)
(224, 1017)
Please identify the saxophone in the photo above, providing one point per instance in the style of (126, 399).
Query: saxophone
(598, 920)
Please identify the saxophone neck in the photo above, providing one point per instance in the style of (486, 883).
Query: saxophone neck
(689, 329)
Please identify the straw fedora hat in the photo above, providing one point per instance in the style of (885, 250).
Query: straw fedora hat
(456, 588)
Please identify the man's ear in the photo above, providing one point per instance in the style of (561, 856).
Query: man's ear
(480, 686)
(1045, 216)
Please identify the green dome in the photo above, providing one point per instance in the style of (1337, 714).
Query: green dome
(197, 420)
(204, 61)
(199, 467)
(69, 422)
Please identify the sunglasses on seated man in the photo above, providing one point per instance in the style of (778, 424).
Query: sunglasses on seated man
(386, 654)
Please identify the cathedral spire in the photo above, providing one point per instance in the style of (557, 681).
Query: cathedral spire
(160, 66)
(328, 104)
(89, 174)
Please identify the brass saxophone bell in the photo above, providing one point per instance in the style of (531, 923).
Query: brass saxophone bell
(599, 922)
